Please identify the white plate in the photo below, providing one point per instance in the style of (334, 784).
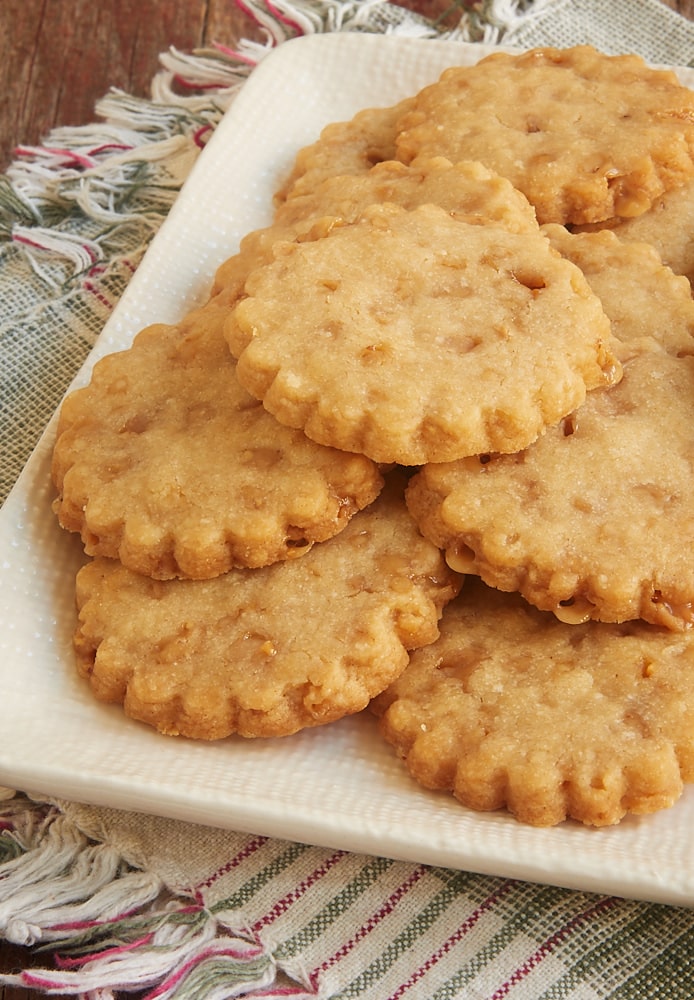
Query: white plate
(339, 786)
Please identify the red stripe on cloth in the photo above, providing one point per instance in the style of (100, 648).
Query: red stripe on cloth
(283, 19)
(274, 12)
(235, 954)
(234, 54)
(282, 905)
(460, 933)
(547, 947)
(85, 925)
(67, 156)
(109, 147)
(98, 294)
(373, 922)
(248, 12)
(17, 238)
(199, 135)
(123, 949)
(249, 848)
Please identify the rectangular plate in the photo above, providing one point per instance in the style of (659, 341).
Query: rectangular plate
(339, 786)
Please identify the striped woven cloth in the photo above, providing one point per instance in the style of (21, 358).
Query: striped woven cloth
(123, 902)
(130, 902)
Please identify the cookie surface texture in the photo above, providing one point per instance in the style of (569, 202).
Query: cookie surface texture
(467, 190)
(511, 708)
(265, 652)
(585, 136)
(594, 520)
(413, 337)
(165, 462)
(668, 226)
(347, 147)
(649, 306)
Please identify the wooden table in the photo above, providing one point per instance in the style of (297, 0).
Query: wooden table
(58, 58)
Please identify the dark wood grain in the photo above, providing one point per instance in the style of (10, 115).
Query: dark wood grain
(58, 57)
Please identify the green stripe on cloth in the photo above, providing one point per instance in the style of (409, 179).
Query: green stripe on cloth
(667, 976)
(420, 929)
(337, 905)
(248, 889)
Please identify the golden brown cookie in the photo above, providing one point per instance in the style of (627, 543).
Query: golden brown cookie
(595, 519)
(347, 147)
(585, 136)
(269, 651)
(165, 462)
(469, 191)
(413, 337)
(668, 225)
(650, 307)
(511, 708)
(257, 248)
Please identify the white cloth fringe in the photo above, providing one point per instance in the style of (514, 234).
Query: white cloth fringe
(115, 927)
(87, 882)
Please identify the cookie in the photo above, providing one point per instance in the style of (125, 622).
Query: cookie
(456, 339)
(265, 652)
(584, 135)
(595, 519)
(166, 463)
(469, 191)
(257, 248)
(346, 147)
(511, 708)
(668, 225)
(650, 307)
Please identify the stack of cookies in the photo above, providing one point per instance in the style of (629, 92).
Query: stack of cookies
(427, 448)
